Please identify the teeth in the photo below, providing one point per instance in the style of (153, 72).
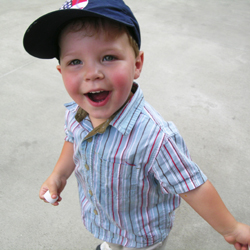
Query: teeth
(96, 92)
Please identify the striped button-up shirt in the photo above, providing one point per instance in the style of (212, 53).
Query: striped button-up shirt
(130, 172)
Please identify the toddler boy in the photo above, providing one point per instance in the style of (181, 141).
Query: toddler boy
(132, 167)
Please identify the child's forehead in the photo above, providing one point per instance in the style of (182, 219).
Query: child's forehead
(95, 24)
(102, 40)
(105, 29)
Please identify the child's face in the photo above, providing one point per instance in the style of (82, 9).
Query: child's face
(98, 71)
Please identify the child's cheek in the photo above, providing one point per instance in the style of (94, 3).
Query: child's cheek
(121, 80)
(70, 85)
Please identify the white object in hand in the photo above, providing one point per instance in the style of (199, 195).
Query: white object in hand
(105, 246)
(48, 197)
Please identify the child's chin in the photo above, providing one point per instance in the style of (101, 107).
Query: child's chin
(100, 115)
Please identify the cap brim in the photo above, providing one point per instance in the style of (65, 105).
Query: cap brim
(41, 38)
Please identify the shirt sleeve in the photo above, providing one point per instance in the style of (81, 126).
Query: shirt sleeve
(69, 135)
(174, 169)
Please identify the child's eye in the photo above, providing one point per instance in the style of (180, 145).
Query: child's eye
(75, 62)
(108, 58)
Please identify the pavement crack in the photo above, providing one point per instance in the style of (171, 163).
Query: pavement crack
(14, 70)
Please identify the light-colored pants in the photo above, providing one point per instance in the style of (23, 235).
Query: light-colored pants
(157, 246)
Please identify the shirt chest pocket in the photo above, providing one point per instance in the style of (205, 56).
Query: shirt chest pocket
(117, 179)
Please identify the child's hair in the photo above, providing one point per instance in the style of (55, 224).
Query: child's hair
(94, 25)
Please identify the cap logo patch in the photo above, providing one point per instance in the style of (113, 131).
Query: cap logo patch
(74, 4)
(79, 4)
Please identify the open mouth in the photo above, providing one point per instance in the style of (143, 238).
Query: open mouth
(98, 96)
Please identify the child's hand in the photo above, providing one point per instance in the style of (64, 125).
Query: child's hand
(240, 237)
(58, 179)
(55, 185)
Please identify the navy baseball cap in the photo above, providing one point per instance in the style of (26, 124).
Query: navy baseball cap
(41, 38)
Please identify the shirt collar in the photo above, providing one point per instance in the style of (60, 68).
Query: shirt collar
(126, 118)
(123, 120)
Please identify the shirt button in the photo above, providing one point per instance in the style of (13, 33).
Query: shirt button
(90, 192)
(89, 140)
(95, 211)
(86, 166)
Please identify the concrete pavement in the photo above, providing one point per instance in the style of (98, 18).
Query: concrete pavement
(196, 73)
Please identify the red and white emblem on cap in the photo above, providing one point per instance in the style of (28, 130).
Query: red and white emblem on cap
(79, 4)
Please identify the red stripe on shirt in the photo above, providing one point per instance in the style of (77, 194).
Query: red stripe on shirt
(143, 185)
(176, 167)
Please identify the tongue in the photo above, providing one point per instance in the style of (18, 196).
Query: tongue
(98, 97)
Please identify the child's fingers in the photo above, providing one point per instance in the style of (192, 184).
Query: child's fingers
(43, 190)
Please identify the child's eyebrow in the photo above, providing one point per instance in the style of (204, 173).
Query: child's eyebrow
(112, 50)
(112, 47)
(68, 54)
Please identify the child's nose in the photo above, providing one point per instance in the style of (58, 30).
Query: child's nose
(93, 72)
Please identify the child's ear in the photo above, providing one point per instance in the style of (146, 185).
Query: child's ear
(138, 64)
(58, 67)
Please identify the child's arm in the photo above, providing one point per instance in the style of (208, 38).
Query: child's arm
(207, 203)
(58, 178)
